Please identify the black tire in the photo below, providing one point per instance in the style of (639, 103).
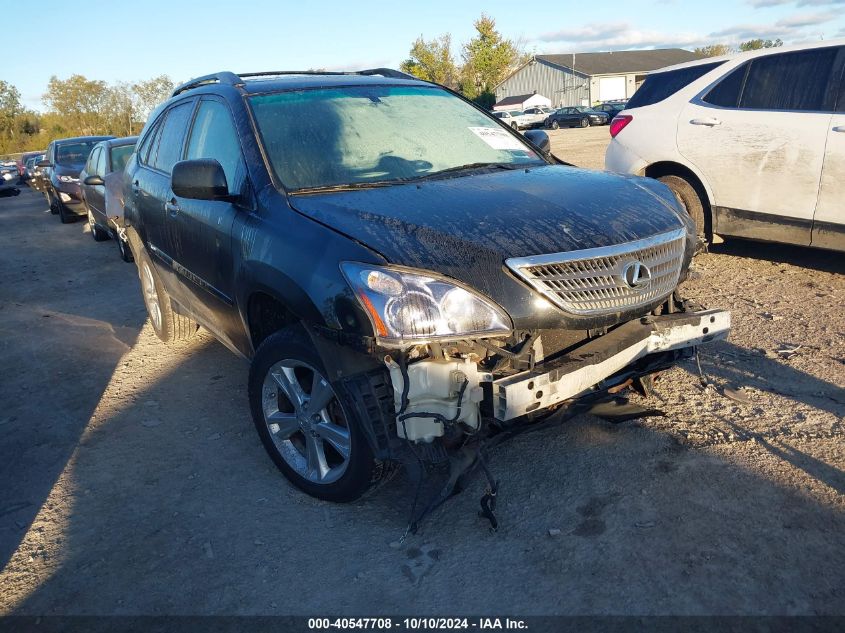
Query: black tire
(585, 122)
(555, 125)
(515, 126)
(169, 326)
(692, 203)
(360, 471)
(124, 250)
(52, 203)
(97, 232)
(64, 215)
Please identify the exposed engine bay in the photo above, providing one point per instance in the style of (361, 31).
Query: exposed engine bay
(453, 401)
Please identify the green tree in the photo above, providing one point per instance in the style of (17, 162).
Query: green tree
(432, 61)
(150, 93)
(714, 50)
(10, 108)
(120, 110)
(488, 58)
(755, 45)
(81, 102)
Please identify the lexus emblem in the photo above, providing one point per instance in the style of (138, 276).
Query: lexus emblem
(636, 275)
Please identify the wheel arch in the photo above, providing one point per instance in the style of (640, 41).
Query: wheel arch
(271, 301)
(672, 168)
(266, 314)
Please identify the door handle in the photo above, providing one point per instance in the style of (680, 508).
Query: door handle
(839, 128)
(172, 207)
(709, 122)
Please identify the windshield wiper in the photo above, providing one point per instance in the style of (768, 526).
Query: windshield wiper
(470, 167)
(375, 184)
(349, 186)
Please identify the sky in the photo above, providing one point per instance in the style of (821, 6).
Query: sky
(129, 41)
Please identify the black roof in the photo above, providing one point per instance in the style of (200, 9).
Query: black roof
(621, 62)
(79, 139)
(515, 100)
(273, 81)
(119, 142)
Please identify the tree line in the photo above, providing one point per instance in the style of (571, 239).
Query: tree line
(486, 60)
(715, 50)
(78, 106)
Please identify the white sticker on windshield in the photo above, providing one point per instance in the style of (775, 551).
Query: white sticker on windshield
(496, 138)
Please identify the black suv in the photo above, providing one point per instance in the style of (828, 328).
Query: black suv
(408, 276)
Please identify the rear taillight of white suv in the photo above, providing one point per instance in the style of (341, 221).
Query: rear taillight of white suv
(618, 123)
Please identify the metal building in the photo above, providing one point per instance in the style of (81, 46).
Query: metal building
(588, 78)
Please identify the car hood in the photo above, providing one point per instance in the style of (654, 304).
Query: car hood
(466, 227)
(68, 170)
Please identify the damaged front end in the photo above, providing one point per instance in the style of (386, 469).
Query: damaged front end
(464, 379)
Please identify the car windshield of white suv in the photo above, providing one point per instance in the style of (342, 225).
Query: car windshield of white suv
(378, 135)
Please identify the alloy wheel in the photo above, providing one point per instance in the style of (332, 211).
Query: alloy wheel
(150, 295)
(306, 421)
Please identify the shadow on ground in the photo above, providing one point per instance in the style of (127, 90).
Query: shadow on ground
(811, 258)
(187, 515)
(60, 340)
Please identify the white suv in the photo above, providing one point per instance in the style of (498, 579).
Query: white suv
(753, 145)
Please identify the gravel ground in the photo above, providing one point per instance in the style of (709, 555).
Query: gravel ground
(133, 482)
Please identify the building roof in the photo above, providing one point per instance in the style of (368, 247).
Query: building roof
(620, 62)
(515, 100)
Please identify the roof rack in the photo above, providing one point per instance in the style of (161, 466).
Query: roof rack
(231, 79)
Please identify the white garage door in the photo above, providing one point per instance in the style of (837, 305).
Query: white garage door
(611, 88)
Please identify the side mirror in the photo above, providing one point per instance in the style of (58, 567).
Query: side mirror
(93, 181)
(201, 179)
(43, 163)
(540, 139)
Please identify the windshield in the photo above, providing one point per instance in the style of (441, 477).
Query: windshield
(74, 153)
(366, 134)
(120, 156)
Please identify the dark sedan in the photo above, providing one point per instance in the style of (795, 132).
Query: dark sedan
(102, 190)
(64, 160)
(580, 116)
(611, 108)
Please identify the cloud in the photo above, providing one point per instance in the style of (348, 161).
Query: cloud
(807, 19)
(617, 35)
(762, 4)
(753, 31)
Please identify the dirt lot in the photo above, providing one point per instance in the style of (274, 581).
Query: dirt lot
(133, 482)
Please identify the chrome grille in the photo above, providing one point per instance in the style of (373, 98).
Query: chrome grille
(603, 280)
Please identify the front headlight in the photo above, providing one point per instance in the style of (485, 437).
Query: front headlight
(409, 307)
(68, 179)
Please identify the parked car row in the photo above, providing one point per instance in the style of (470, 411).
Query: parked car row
(405, 287)
(575, 116)
(8, 179)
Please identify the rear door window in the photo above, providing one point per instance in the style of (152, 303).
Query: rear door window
(840, 102)
(91, 165)
(100, 165)
(167, 150)
(726, 92)
(660, 86)
(144, 148)
(789, 81)
(213, 135)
